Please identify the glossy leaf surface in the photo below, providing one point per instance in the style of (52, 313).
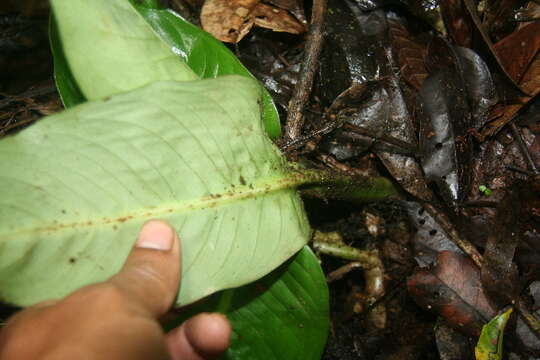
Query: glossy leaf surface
(82, 182)
(284, 315)
(171, 36)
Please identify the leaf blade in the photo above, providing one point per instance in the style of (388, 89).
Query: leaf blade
(293, 298)
(88, 176)
(111, 49)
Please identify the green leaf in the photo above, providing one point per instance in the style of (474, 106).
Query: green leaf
(79, 184)
(205, 55)
(490, 343)
(281, 316)
(111, 49)
(70, 94)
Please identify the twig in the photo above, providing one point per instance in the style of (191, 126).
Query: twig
(14, 125)
(523, 147)
(529, 318)
(464, 244)
(22, 97)
(302, 90)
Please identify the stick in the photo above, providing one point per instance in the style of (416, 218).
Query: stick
(302, 90)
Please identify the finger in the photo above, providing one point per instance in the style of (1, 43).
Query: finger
(204, 336)
(151, 274)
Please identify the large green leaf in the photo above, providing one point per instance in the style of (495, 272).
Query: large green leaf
(281, 316)
(206, 56)
(110, 48)
(78, 185)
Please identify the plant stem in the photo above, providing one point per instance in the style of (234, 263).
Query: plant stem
(332, 244)
(326, 184)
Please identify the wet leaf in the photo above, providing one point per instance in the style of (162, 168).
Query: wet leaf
(490, 344)
(473, 12)
(518, 50)
(281, 316)
(527, 338)
(411, 53)
(500, 277)
(231, 20)
(351, 59)
(457, 21)
(453, 290)
(527, 70)
(446, 147)
(479, 85)
(452, 345)
(430, 239)
(498, 17)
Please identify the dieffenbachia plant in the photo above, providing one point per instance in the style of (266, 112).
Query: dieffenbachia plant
(151, 139)
(154, 141)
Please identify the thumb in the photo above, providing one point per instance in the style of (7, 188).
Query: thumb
(150, 277)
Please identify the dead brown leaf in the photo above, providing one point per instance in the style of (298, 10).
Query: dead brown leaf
(279, 20)
(296, 7)
(231, 20)
(457, 22)
(453, 289)
(228, 20)
(525, 68)
(410, 54)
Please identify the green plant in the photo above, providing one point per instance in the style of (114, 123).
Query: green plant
(151, 139)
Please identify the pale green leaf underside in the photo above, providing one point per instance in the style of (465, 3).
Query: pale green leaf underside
(78, 185)
(111, 49)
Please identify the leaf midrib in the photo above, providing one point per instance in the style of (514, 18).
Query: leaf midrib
(261, 187)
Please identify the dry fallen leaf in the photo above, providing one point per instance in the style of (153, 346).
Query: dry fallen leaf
(231, 20)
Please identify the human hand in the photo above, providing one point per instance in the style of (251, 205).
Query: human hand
(117, 319)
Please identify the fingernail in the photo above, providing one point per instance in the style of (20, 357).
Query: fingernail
(156, 235)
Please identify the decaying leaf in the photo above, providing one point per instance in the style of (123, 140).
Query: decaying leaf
(430, 239)
(444, 118)
(369, 58)
(452, 344)
(453, 289)
(277, 19)
(479, 85)
(231, 20)
(228, 20)
(518, 49)
(471, 7)
(411, 53)
(295, 7)
(500, 277)
(525, 41)
(457, 22)
(453, 101)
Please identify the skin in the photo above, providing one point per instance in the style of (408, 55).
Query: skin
(118, 319)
